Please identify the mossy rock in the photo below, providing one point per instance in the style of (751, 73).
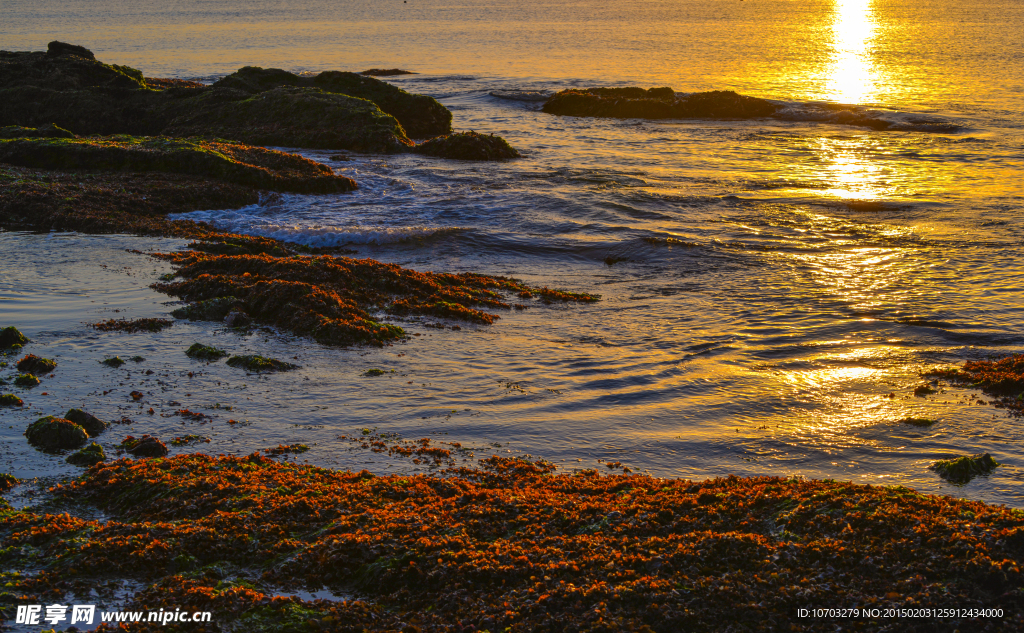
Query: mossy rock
(53, 434)
(92, 425)
(27, 380)
(420, 116)
(258, 363)
(114, 362)
(204, 352)
(207, 310)
(7, 482)
(145, 446)
(922, 422)
(10, 400)
(468, 146)
(657, 103)
(43, 131)
(35, 365)
(10, 337)
(65, 71)
(960, 470)
(220, 160)
(89, 456)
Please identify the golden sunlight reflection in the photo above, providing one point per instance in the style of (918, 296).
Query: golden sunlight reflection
(854, 170)
(852, 75)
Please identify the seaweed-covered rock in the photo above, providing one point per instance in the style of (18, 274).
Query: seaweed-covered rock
(657, 103)
(145, 446)
(468, 146)
(35, 365)
(92, 425)
(133, 325)
(204, 352)
(56, 49)
(10, 400)
(10, 336)
(231, 162)
(960, 470)
(207, 310)
(43, 131)
(64, 72)
(114, 361)
(88, 456)
(7, 482)
(260, 363)
(421, 116)
(26, 380)
(52, 434)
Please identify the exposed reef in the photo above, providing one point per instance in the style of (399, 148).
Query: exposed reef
(331, 298)
(657, 103)
(1002, 379)
(468, 146)
(513, 546)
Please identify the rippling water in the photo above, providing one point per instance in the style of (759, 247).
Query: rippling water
(766, 283)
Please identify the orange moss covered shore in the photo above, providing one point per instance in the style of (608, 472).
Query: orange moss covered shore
(512, 546)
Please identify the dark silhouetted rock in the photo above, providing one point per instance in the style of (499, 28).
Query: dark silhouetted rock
(657, 103)
(10, 336)
(386, 72)
(56, 49)
(468, 146)
(88, 456)
(35, 365)
(145, 446)
(92, 425)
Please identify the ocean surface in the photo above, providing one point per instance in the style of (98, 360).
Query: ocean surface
(765, 284)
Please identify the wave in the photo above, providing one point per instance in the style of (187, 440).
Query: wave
(533, 96)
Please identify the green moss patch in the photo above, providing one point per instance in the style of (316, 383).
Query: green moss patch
(960, 470)
(26, 380)
(258, 363)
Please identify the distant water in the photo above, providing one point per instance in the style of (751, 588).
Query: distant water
(766, 283)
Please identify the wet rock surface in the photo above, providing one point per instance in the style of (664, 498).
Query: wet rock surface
(35, 365)
(88, 456)
(53, 434)
(657, 103)
(92, 425)
(468, 146)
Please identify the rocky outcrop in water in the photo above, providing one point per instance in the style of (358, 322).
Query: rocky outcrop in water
(52, 434)
(468, 146)
(657, 103)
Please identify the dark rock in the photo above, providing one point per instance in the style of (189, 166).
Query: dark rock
(35, 365)
(11, 400)
(657, 103)
(52, 433)
(207, 310)
(88, 456)
(257, 363)
(237, 319)
(386, 72)
(204, 352)
(421, 116)
(960, 470)
(145, 446)
(7, 482)
(115, 361)
(92, 425)
(468, 146)
(43, 131)
(10, 336)
(26, 380)
(55, 49)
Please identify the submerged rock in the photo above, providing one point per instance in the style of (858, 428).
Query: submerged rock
(145, 446)
(258, 363)
(89, 456)
(204, 352)
(960, 470)
(52, 434)
(35, 365)
(657, 103)
(10, 336)
(92, 425)
(468, 146)
(421, 116)
(232, 162)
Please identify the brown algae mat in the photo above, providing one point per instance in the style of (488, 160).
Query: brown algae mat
(514, 546)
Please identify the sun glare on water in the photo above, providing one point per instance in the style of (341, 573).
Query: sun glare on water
(852, 75)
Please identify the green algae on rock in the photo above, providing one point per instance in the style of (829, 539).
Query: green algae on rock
(115, 361)
(960, 470)
(374, 372)
(10, 336)
(53, 434)
(26, 380)
(420, 116)
(88, 456)
(257, 363)
(92, 425)
(220, 160)
(10, 400)
(468, 146)
(205, 352)
(35, 365)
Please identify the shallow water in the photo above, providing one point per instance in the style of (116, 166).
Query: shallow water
(771, 281)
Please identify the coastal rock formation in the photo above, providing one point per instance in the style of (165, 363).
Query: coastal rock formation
(232, 162)
(10, 337)
(657, 103)
(386, 72)
(36, 365)
(421, 116)
(92, 425)
(52, 434)
(43, 131)
(88, 456)
(145, 446)
(468, 146)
